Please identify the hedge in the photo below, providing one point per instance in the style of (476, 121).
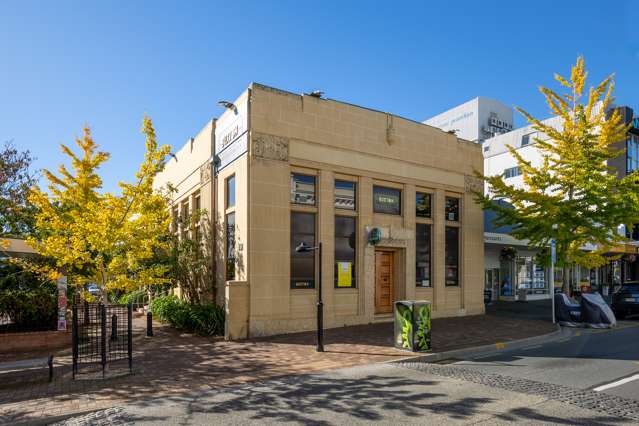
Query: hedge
(203, 319)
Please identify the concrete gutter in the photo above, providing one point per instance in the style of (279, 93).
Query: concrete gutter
(494, 348)
(562, 334)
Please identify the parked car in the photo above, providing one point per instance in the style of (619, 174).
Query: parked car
(625, 301)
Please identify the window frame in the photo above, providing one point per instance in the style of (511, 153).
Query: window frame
(428, 226)
(292, 282)
(291, 197)
(354, 275)
(457, 219)
(227, 203)
(430, 204)
(400, 207)
(457, 280)
(346, 209)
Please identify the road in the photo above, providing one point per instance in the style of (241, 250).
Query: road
(551, 384)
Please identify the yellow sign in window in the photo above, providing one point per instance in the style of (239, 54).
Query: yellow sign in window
(344, 274)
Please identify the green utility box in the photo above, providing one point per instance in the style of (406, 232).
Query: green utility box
(412, 325)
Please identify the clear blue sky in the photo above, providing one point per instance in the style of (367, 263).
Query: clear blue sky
(67, 64)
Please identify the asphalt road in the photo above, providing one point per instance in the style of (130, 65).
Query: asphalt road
(594, 359)
(550, 384)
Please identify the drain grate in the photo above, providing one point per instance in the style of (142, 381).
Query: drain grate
(597, 401)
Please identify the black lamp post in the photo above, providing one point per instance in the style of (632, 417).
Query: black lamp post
(303, 248)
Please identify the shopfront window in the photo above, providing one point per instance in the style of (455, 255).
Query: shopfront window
(344, 195)
(423, 255)
(303, 189)
(452, 256)
(345, 243)
(387, 200)
(302, 264)
(452, 209)
(423, 204)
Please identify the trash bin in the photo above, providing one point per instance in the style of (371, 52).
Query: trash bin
(412, 325)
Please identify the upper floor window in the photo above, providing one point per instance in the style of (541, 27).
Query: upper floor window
(422, 204)
(452, 209)
(525, 139)
(230, 191)
(387, 200)
(512, 172)
(303, 189)
(344, 195)
(632, 153)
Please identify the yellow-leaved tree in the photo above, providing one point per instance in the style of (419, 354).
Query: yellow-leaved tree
(93, 236)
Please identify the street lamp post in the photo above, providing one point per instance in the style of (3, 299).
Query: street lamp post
(303, 248)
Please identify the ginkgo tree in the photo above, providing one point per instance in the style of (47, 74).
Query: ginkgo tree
(103, 237)
(572, 195)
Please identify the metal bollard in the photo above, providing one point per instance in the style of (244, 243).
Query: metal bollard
(114, 327)
(149, 324)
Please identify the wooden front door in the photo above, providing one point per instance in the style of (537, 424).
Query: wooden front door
(384, 282)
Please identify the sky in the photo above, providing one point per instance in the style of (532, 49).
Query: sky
(64, 65)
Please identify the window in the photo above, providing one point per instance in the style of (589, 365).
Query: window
(423, 255)
(196, 217)
(230, 246)
(525, 139)
(422, 204)
(512, 172)
(302, 264)
(303, 189)
(344, 195)
(387, 200)
(452, 256)
(452, 209)
(345, 243)
(230, 192)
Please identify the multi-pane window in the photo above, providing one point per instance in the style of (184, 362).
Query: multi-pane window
(344, 195)
(302, 264)
(345, 243)
(387, 200)
(185, 219)
(423, 204)
(423, 255)
(452, 256)
(175, 216)
(196, 219)
(230, 246)
(303, 189)
(230, 192)
(632, 153)
(512, 172)
(452, 209)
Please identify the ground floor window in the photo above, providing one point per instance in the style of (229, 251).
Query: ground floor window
(423, 255)
(302, 264)
(230, 246)
(345, 243)
(452, 256)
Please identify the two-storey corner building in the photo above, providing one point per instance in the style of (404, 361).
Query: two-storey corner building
(389, 199)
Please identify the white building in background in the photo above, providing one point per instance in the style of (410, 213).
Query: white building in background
(476, 120)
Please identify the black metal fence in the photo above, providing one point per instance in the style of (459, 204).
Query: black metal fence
(101, 334)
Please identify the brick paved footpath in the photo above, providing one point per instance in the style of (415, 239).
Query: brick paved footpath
(171, 364)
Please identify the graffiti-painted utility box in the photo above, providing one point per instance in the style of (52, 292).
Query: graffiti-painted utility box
(412, 325)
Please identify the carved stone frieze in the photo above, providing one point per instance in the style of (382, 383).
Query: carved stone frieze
(270, 147)
(473, 184)
(205, 173)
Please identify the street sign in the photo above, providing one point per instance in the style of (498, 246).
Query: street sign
(553, 251)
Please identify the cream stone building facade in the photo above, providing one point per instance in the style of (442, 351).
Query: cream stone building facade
(390, 199)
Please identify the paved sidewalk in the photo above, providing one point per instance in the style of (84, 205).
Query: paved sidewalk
(172, 364)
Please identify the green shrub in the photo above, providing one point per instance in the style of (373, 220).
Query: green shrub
(203, 319)
(135, 297)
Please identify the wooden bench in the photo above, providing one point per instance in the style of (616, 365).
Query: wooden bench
(27, 364)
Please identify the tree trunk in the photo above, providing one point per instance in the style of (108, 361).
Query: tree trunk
(566, 280)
